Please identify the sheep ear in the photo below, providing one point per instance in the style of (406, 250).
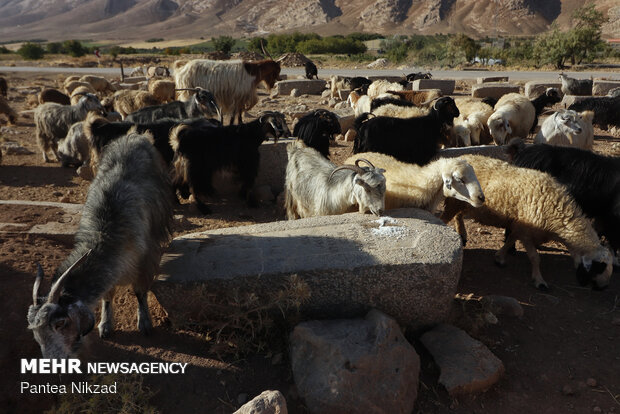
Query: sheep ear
(447, 182)
(507, 127)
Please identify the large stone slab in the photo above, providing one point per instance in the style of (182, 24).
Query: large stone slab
(355, 366)
(62, 227)
(304, 86)
(445, 85)
(535, 88)
(487, 79)
(387, 78)
(600, 87)
(348, 263)
(493, 90)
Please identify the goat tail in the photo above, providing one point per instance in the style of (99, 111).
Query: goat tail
(515, 145)
(176, 137)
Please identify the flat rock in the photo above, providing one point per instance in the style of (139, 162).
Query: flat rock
(13, 148)
(487, 79)
(63, 228)
(466, 365)
(304, 86)
(535, 88)
(493, 90)
(268, 402)
(348, 263)
(601, 88)
(387, 78)
(445, 85)
(355, 366)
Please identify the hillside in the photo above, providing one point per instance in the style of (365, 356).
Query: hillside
(174, 19)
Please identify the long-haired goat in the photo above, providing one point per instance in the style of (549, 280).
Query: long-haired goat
(572, 86)
(568, 129)
(606, 110)
(316, 187)
(4, 88)
(200, 104)
(6, 109)
(126, 223)
(201, 150)
(311, 70)
(414, 140)
(233, 82)
(316, 129)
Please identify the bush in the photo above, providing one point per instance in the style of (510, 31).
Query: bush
(4, 50)
(31, 51)
(74, 48)
(223, 44)
(333, 44)
(54, 48)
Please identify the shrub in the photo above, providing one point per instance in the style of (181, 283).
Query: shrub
(30, 51)
(54, 48)
(74, 48)
(4, 50)
(223, 44)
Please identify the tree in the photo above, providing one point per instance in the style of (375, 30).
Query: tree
(223, 44)
(467, 45)
(584, 40)
(74, 48)
(54, 48)
(31, 51)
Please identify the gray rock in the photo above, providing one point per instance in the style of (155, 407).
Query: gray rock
(494, 151)
(502, 305)
(13, 148)
(304, 86)
(348, 264)
(332, 102)
(268, 402)
(296, 111)
(326, 93)
(445, 85)
(493, 90)
(295, 93)
(534, 89)
(355, 366)
(466, 365)
(487, 79)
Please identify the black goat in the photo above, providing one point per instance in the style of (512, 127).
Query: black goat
(550, 97)
(377, 102)
(606, 110)
(311, 70)
(489, 100)
(592, 179)
(200, 104)
(316, 129)
(126, 222)
(410, 77)
(359, 82)
(413, 140)
(201, 150)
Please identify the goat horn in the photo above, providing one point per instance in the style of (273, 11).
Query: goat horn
(357, 162)
(262, 46)
(37, 284)
(355, 168)
(426, 102)
(54, 294)
(188, 89)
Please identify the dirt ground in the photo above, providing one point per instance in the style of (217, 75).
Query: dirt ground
(562, 356)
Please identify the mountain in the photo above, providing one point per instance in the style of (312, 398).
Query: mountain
(178, 19)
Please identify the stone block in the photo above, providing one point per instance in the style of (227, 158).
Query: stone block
(387, 78)
(347, 263)
(534, 89)
(493, 151)
(600, 88)
(487, 79)
(445, 85)
(304, 86)
(268, 402)
(493, 90)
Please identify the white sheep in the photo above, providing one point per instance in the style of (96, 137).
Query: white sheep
(513, 117)
(409, 185)
(470, 128)
(162, 90)
(567, 128)
(99, 84)
(382, 86)
(535, 208)
(396, 111)
(126, 102)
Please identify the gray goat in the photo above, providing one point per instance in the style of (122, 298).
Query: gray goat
(53, 121)
(572, 86)
(316, 187)
(126, 223)
(74, 149)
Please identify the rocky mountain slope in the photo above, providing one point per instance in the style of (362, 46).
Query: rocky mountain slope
(141, 19)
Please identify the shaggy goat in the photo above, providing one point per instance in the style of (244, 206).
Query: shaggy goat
(410, 77)
(606, 110)
(572, 86)
(311, 70)
(201, 150)
(316, 187)
(126, 223)
(414, 140)
(71, 86)
(78, 93)
(232, 82)
(74, 149)
(53, 121)
(409, 185)
(568, 129)
(316, 129)
(382, 86)
(200, 104)
(535, 208)
(154, 71)
(53, 95)
(513, 117)
(592, 179)
(8, 111)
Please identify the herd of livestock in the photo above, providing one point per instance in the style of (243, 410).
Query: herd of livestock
(146, 148)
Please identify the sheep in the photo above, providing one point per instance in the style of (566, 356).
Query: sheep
(414, 140)
(606, 110)
(154, 71)
(53, 95)
(316, 129)
(98, 83)
(398, 111)
(126, 222)
(314, 186)
(409, 185)
(535, 208)
(77, 94)
(6, 109)
(470, 128)
(53, 121)
(567, 128)
(572, 86)
(379, 87)
(70, 79)
(162, 90)
(200, 104)
(4, 88)
(513, 117)
(126, 102)
(233, 82)
(592, 179)
(550, 97)
(201, 150)
(311, 70)
(71, 86)
(419, 98)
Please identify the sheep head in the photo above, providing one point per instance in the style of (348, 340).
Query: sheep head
(499, 127)
(595, 268)
(460, 182)
(58, 327)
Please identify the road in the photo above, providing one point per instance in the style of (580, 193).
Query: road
(612, 74)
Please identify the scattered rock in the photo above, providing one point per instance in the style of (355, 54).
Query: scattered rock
(292, 60)
(295, 111)
(502, 305)
(332, 102)
(591, 382)
(350, 135)
(466, 365)
(13, 148)
(340, 105)
(326, 93)
(295, 93)
(8, 131)
(362, 363)
(268, 402)
(379, 63)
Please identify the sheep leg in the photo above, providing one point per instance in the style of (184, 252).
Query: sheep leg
(43, 145)
(509, 244)
(512, 250)
(106, 323)
(534, 257)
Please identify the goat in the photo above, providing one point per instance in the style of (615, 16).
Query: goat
(315, 187)
(409, 185)
(53, 95)
(201, 150)
(233, 83)
(311, 70)
(567, 128)
(162, 90)
(382, 86)
(592, 179)
(126, 222)
(388, 100)
(414, 140)
(4, 88)
(550, 97)
(419, 98)
(78, 93)
(606, 110)
(513, 117)
(200, 104)
(6, 109)
(410, 77)
(53, 121)
(316, 129)
(535, 208)
(360, 103)
(572, 86)
(74, 149)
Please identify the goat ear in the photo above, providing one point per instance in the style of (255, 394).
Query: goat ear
(587, 263)
(363, 183)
